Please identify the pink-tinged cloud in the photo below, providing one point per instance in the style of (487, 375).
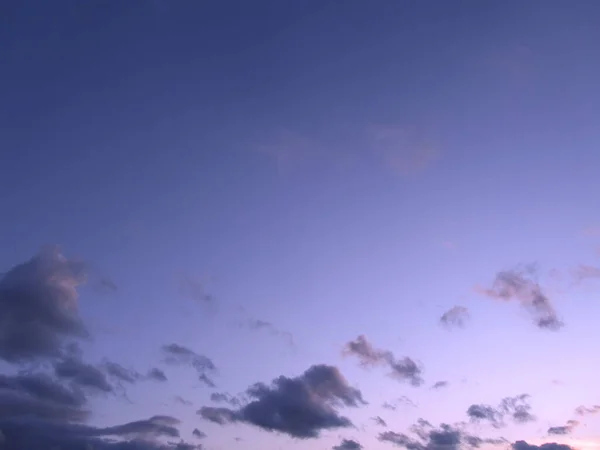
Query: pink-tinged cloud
(585, 272)
(401, 149)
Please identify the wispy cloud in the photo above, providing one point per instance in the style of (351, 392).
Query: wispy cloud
(402, 149)
(403, 369)
(520, 285)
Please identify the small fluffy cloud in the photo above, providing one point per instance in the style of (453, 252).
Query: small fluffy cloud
(455, 317)
(300, 407)
(439, 385)
(519, 285)
(517, 408)
(38, 306)
(564, 429)
(348, 444)
(404, 369)
(587, 410)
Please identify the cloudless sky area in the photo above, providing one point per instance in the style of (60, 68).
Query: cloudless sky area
(402, 195)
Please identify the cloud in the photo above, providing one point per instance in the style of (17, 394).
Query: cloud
(183, 401)
(565, 429)
(40, 396)
(445, 437)
(440, 385)
(85, 375)
(176, 354)
(348, 444)
(404, 369)
(218, 415)
(156, 375)
(198, 434)
(517, 408)
(379, 421)
(38, 306)
(29, 433)
(365, 352)
(401, 149)
(587, 410)
(584, 272)
(195, 290)
(522, 445)
(300, 407)
(455, 317)
(519, 285)
(223, 397)
(120, 373)
(257, 324)
(393, 404)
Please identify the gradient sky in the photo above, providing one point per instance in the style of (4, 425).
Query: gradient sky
(335, 168)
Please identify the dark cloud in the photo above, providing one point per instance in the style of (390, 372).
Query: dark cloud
(198, 434)
(440, 385)
(455, 317)
(156, 375)
(257, 324)
(38, 306)
(218, 415)
(565, 429)
(379, 421)
(587, 410)
(348, 444)
(301, 407)
(522, 445)
(120, 373)
(520, 285)
(176, 354)
(39, 396)
(35, 434)
(446, 437)
(404, 369)
(517, 408)
(82, 374)
(485, 412)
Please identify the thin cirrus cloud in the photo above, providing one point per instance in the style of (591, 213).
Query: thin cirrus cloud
(403, 150)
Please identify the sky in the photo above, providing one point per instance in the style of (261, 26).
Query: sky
(299, 224)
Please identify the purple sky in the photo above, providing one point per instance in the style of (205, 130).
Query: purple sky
(262, 182)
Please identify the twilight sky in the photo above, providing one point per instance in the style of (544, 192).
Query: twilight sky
(299, 224)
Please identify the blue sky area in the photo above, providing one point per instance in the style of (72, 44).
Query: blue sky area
(391, 205)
